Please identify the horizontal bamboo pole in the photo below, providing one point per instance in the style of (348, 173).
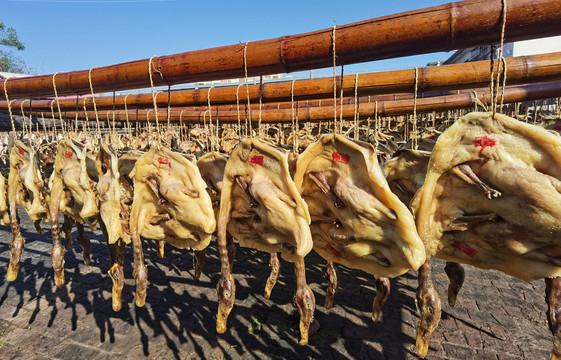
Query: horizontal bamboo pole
(520, 70)
(314, 114)
(439, 28)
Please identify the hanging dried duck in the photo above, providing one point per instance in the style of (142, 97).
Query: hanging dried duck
(72, 193)
(4, 213)
(491, 199)
(261, 208)
(25, 187)
(356, 220)
(405, 173)
(211, 166)
(170, 204)
(115, 192)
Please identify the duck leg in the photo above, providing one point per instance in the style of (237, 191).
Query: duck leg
(140, 270)
(275, 264)
(333, 284)
(16, 245)
(553, 299)
(304, 300)
(200, 261)
(37, 225)
(160, 244)
(456, 275)
(232, 249)
(117, 274)
(428, 305)
(57, 252)
(116, 260)
(85, 243)
(382, 294)
(67, 230)
(226, 287)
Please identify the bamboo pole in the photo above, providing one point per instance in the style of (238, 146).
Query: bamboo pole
(520, 70)
(314, 114)
(439, 28)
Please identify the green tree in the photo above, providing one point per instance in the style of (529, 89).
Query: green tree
(8, 61)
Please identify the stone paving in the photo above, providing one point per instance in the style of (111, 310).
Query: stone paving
(496, 317)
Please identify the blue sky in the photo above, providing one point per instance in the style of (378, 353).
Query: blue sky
(68, 35)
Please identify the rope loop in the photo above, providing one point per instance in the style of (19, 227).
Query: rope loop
(93, 100)
(154, 95)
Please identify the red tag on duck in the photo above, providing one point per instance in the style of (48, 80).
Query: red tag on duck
(340, 158)
(68, 154)
(164, 161)
(257, 159)
(483, 142)
(333, 250)
(465, 248)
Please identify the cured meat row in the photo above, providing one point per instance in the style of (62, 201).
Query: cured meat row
(485, 194)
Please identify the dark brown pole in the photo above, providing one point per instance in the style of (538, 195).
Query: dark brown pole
(385, 108)
(440, 28)
(520, 70)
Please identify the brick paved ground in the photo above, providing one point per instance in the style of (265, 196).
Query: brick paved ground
(496, 317)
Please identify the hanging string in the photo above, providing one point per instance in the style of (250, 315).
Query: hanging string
(43, 123)
(492, 84)
(169, 106)
(406, 127)
(503, 60)
(148, 124)
(376, 127)
(495, 91)
(58, 104)
(368, 123)
(238, 107)
(24, 121)
(210, 118)
(181, 126)
(294, 148)
(415, 143)
(217, 131)
(53, 119)
(114, 131)
(434, 120)
(424, 123)
(205, 127)
(31, 120)
(297, 137)
(248, 109)
(356, 107)
(76, 117)
(341, 103)
(9, 105)
(127, 115)
(260, 131)
(85, 125)
(334, 79)
(477, 101)
(94, 105)
(154, 95)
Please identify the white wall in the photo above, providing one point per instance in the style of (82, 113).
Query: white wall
(537, 46)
